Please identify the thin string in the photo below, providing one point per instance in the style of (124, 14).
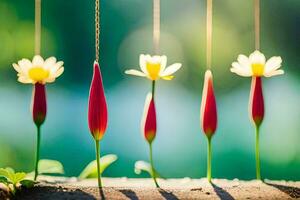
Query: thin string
(97, 29)
(156, 25)
(208, 33)
(257, 23)
(37, 24)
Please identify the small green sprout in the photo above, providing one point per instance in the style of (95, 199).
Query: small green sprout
(141, 165)
(49, 167)
(90, 171)
(14, 181)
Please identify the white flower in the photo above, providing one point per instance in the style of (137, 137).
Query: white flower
(256, 65)
(154, 67)
(38, 71)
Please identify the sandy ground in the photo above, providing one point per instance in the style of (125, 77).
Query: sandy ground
(124, 188)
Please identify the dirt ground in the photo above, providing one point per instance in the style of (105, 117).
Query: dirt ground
(171, 189)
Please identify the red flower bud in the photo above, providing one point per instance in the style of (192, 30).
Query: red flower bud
(97, 110)
(39, 104)
(149, 119)
(208, 106)
(256, 101)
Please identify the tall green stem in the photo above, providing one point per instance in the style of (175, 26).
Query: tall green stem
(37, 157)
(153, 89)
(257, 153)
(97, 143)
(152, 166)
(209, 159)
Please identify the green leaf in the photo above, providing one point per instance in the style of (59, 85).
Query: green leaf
(9, 174)
(141, 165)
(27, 183)
(17, 177)
(3, 172)
(90, 171)
(50, 167)
(3, 179)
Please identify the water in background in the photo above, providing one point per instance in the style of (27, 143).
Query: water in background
(180, 146)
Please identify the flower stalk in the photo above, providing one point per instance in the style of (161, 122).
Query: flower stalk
(37, 157)
(97, 145)
(257, 157)
(257, 66)
(208, 116)
(257, 115)
(152, 166)
(148, 126)
(150, 143)
(39, 111)
(97, 113)
(208, 175)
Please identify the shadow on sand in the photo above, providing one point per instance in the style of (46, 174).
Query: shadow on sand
(49, 193)
(167, 195)
(222, 194)
(129, 194)
(293, 192)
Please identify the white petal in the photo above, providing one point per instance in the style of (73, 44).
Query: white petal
(244, 61)
(148, 58)
(257, 57)
(156, 59)
(135, 72)
(24, 79)
(38, 61)
(49, 62)
(163, 63)
(59, 72)
(143, 63)
(17, 68)
(274, 73)
(273, 64)
(240, 73)
(25, 65)
(238, 67)
(55, 67)
(171, 69)
(49, 80)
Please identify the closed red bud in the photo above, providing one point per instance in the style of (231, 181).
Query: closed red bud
(149, 119)
(97, 109)
(256, 101)
(39, 104)
(208, 106)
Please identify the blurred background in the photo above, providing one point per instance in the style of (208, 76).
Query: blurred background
(126, 32)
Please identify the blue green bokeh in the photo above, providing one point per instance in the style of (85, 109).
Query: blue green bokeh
(126, 31)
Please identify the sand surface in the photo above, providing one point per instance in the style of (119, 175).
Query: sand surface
(186, 188)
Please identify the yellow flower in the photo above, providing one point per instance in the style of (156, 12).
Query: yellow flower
(257, 66)
(38, 71)
(154, 67)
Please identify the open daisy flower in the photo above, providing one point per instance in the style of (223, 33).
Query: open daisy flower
(154, 67)
(39, 70)
(256, 65)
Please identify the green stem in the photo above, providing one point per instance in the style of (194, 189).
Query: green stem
(152, 166)
(209, 159)
(98, 162)
(153, 89)
(37, 157)
(257, 153)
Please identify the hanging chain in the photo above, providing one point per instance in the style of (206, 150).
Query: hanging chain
(156, 25)
(257, 23)
(37, 25)
(208, 33)
(97, 29)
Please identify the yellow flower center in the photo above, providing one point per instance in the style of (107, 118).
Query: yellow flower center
(38, 74)
(153, 70)
(258, 69)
